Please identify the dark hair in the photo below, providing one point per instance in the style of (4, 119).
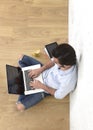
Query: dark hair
(65, 54)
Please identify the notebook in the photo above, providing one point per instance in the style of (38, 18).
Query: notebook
(49, 48)
(18, 80)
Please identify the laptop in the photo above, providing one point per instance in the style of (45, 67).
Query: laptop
(49, 48)
(18, 80)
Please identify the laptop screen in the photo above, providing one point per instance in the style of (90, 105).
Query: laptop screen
(14, 80)
(49, 48)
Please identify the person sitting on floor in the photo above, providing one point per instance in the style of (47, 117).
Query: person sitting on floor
(59, 76)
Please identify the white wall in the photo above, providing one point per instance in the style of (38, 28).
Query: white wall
(81, 38)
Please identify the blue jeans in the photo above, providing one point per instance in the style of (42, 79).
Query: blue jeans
(32, 99)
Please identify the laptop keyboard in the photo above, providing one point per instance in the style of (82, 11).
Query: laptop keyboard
(28, 80)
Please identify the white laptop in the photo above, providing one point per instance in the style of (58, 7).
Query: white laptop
(18, 80)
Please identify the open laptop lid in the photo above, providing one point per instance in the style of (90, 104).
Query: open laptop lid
(49, 48)
(14, 80)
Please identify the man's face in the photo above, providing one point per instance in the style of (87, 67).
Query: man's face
(62, 67)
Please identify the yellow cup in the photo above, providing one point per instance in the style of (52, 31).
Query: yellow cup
(36, 53)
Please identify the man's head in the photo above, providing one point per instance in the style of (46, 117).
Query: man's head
(65, 54)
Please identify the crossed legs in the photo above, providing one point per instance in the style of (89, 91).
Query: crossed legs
(26, 101)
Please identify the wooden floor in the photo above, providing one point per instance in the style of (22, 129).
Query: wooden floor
(26, 26)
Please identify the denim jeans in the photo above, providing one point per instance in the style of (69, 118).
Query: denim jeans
(32, 99)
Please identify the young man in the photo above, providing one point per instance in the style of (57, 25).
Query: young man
(59, 76)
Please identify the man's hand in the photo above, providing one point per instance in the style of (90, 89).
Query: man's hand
(34, 73)
(36, 84)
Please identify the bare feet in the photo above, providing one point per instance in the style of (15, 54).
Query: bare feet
(21, 56)
(20, 107)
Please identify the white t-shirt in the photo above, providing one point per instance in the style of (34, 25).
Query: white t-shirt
(63, 81)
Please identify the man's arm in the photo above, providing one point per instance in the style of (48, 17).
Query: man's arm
(36, 72)
(47, 66)
(49, 90)
(37, 84)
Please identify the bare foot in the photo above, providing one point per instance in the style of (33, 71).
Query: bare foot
(21, 56)
(20, 107)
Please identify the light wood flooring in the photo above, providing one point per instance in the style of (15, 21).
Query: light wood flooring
(26, 26)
